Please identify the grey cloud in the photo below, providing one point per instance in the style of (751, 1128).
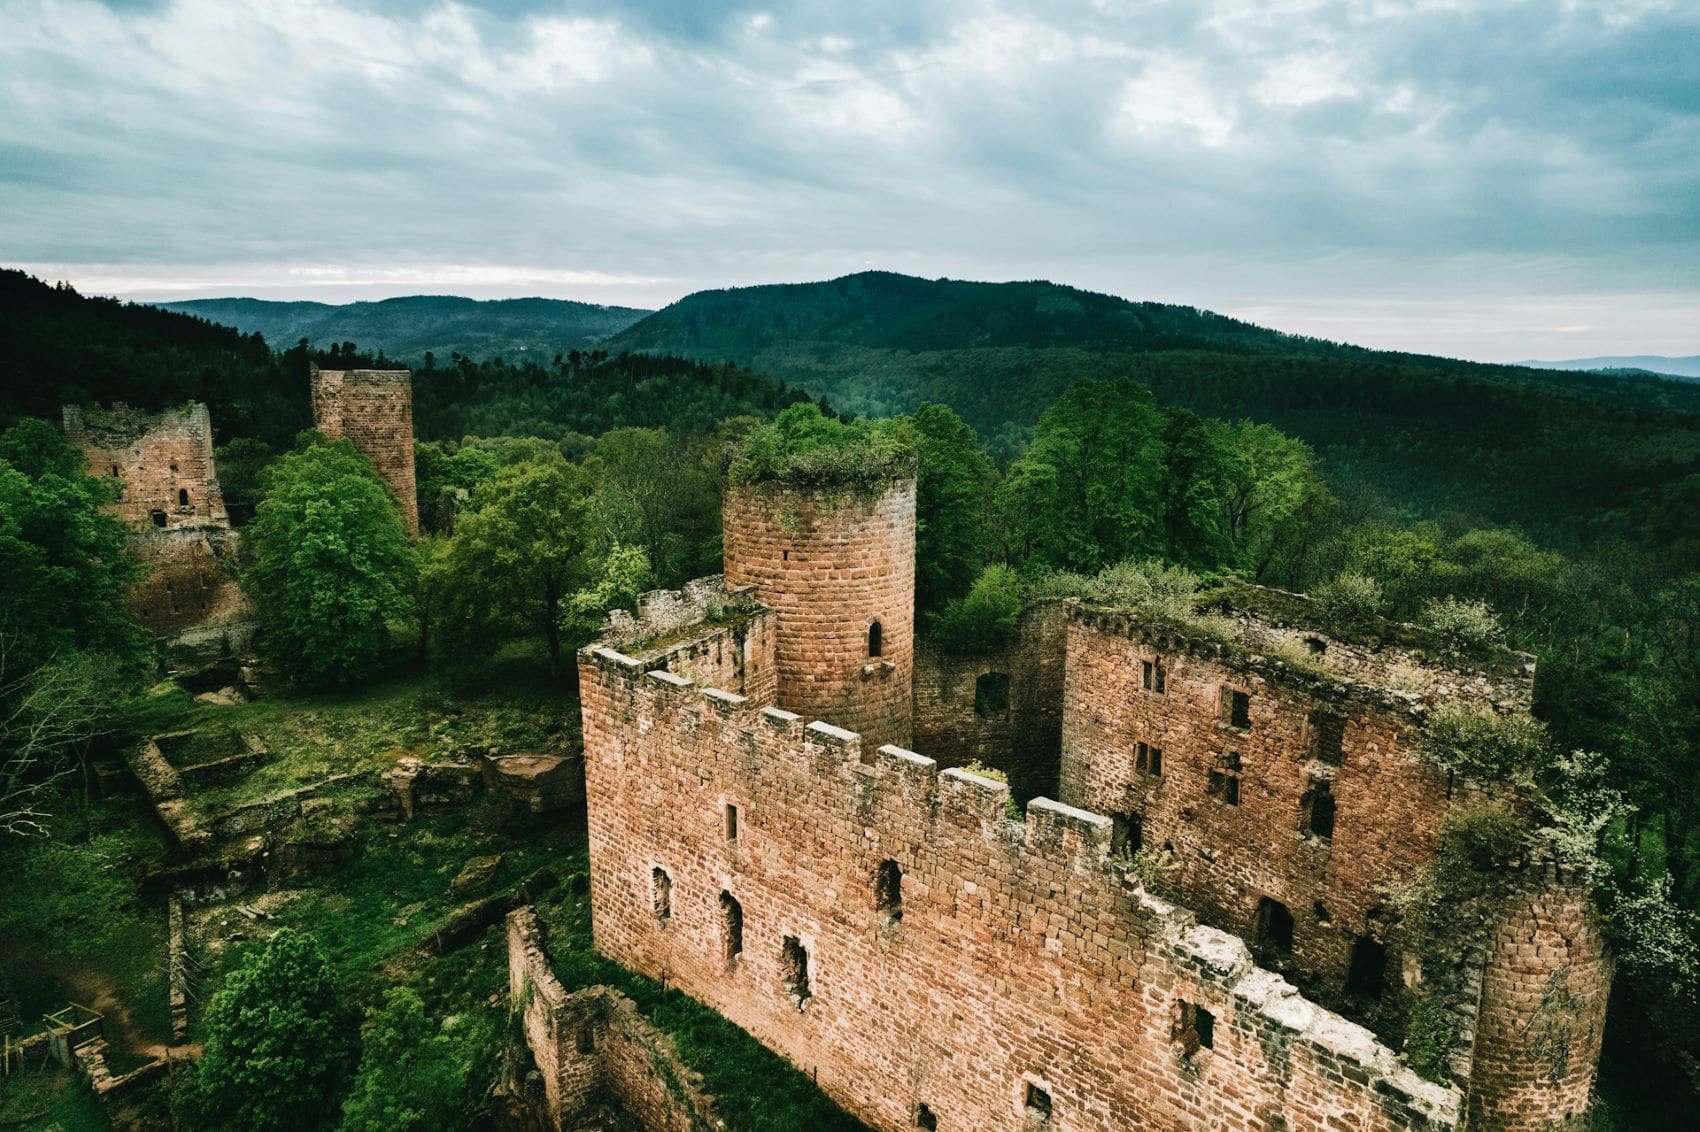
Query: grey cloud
(709, 143)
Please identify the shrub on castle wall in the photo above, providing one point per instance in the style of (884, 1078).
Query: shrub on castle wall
(806, 449)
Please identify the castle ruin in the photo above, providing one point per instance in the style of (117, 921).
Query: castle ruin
(893, 924)
(173, 506)
(373, 408)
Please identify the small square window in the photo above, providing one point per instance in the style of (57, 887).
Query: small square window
(1195, 1028)
(1038, 1104)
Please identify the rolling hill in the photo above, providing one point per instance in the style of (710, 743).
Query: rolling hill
(1572, 456)
(408, 328)
(1688, 367)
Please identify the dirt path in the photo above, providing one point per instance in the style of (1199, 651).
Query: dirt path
(95, 989)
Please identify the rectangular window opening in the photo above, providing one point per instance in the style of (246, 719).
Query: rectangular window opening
(1225, 778)
(1316, 811)
(1148, 759)
(731, 927)
(991, 695)
(586, 1039)
(1235, 707)
(661, 893)
(1152, 678)
(1274, 937)
(1328, 733)
(1367, 975)
(1038, 1104)
(794, 971)
(888, 891)
(1127, 834)
(731, 817)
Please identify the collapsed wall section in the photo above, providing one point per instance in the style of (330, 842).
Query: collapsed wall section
(373, 408)
(173, 505)
(1003, 708)
(887, 926)
(591, 1044)
(838, 570)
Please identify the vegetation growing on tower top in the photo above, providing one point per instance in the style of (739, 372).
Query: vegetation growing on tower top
(804, 447)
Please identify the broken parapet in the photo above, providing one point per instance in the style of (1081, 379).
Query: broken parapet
(419, 787)
(661, 613)
(1055, 967)
(593, 1041)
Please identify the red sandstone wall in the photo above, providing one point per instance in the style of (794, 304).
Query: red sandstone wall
(1025, 741)
(1227, 857)
(157, 456)
(374, 410)
(1543, 1009)
(831, 564)
(1019, 957)
(593, 1042)
(189, 583)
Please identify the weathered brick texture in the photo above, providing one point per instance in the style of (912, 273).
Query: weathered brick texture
(1543, 1008)
(832, 566)
(592, 1043)
(956, 716)
(173, 506)
(1018, 955)
(373, 408)
(1236, 847)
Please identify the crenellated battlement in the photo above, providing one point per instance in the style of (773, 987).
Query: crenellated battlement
(990, 889)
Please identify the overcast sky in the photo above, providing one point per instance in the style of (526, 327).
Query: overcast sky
(1494, 180)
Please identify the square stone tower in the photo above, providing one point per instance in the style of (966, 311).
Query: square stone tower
(373, 408)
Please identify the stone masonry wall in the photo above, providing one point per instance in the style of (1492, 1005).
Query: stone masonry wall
(174, 507)
(1024, 740)
(1543, 1008)
(592, 1042)
(165, 461)
(1021, 979)
(1229, 857)
(831, 566)
(707, 633)
(373, 408)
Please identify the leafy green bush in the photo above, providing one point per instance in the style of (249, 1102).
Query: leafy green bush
(1478, 742)
(1463, 626)
(985, 619)
(1149, 586)
(412, 1078)
(806, 448)
(1430, 1039)
(1479, 839)
(1348, 599)
(281, 1044)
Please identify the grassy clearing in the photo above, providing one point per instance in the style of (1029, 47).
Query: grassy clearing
(757, 1090)
(312, 735)
(55, 1099)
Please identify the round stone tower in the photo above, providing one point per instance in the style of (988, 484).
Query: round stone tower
(838, 569)
(1543, 1008)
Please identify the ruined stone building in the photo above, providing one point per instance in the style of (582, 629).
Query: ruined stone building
(373, 408)
(762, 837)
(173, 506)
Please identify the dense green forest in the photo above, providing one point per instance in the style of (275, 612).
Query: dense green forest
(408, 328)
(1551, 512)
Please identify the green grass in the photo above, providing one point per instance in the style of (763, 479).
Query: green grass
(756, 1089)
(39, 1101)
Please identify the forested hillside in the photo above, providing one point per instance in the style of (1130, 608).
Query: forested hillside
(410, 327)
(1572, 457)
(57, 346)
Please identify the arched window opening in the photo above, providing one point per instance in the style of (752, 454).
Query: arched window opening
(875, 642)
(888, 891)
(991, 695)
(182, 497)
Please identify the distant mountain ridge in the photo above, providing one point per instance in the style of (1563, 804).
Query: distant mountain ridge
(409, 327)
(1641, 363)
